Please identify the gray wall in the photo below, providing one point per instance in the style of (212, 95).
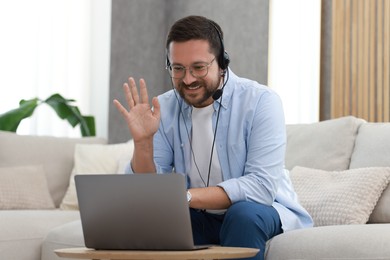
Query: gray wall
(139, 28)
(326, 59)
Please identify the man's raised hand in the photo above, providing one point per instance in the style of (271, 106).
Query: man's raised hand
(141, 119)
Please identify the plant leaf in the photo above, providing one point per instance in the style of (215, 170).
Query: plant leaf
(10, 120)
(87, 127)
(72, 114)
(60, 105)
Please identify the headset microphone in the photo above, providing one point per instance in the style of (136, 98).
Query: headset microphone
(217, 94)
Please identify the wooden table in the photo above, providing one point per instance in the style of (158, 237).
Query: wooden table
(214, 252)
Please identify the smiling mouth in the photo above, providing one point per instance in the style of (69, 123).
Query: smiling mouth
(193, 87)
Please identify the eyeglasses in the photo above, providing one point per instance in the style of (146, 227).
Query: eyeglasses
(198, 70)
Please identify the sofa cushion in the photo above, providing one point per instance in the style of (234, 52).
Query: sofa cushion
(325, 145)
(54, 153)
(340, 197)
(64, 236)
(381, 213)
(372, 149)
(96, 159)
(372, 146)
(332, 242)
(24, 187)
(22, 231)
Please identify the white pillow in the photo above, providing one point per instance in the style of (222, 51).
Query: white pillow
(24, 187)
(96, 159)
(340, 197)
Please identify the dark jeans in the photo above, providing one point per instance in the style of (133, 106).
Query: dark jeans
(245, 224)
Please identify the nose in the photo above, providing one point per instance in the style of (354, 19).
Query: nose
(188, 78)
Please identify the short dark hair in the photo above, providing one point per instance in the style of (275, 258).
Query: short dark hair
(195, 27)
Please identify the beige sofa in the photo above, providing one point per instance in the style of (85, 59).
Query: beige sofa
(340, 160)
(342, 148)
(28, 215)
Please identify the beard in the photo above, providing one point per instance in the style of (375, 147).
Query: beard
(197, 100)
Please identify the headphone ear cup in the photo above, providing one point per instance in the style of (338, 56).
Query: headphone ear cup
(167, 63)
(226, 60)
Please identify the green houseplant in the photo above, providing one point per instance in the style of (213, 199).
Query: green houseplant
(64, 108)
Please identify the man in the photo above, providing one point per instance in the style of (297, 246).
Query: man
(227, 134)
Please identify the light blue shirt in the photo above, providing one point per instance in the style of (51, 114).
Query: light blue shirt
(250, 143)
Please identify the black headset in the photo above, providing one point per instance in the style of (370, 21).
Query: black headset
(223, 62)
(223, 57)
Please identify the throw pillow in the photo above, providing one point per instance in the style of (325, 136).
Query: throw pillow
(95, 159)
(24, 187)
(339, 197)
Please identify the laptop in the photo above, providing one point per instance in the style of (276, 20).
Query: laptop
(135, 212)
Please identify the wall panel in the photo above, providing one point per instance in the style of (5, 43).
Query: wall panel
(359, 82)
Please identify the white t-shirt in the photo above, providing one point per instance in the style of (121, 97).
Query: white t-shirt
(202, 141)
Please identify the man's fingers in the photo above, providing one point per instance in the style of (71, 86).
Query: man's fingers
(156, 107)
(128, 95)
(120, 108)
(133, 90)
(143, 91)
(132, 96)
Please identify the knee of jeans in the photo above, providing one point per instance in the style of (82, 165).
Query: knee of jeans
(241, 211)
(246, 212)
